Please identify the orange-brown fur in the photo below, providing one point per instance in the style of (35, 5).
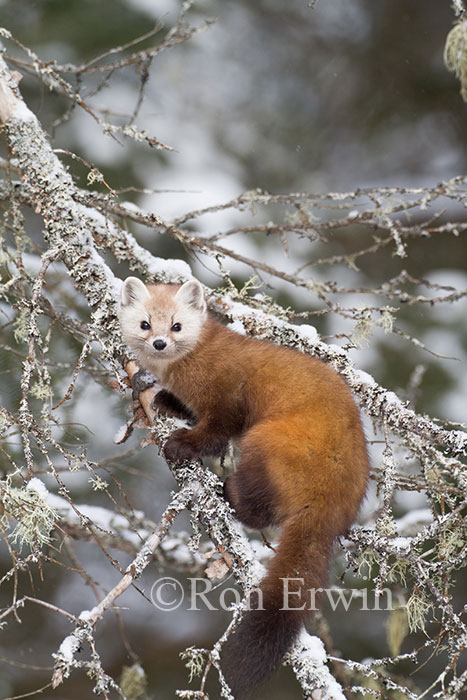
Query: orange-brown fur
(303, 465)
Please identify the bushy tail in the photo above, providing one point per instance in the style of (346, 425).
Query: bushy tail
(258, 645)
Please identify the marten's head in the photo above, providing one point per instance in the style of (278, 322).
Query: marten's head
(161, 321)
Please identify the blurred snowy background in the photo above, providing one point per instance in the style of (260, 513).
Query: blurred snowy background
(273, 95)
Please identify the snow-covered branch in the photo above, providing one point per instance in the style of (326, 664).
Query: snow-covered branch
(85, 236)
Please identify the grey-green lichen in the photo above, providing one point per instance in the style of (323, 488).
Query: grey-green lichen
(256, 301)
(41, 390)
(133, 681)
(34, 518)
(397, 628)
(363, 329)
(21, 326)
(195, 660)
(455, 54)
(418, 608)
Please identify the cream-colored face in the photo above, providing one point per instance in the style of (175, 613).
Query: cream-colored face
(161, 322)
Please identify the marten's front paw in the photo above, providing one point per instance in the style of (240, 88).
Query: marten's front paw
(167, 404)
(179, 446)
(162, 406)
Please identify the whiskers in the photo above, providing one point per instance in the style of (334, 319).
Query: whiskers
(136, 342)
(183, 346)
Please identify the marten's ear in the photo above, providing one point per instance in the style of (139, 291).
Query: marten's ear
(133, 291)
(191, 294)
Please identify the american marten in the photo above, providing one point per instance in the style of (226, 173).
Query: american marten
(303, 460)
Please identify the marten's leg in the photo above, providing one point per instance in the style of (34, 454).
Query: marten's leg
(169, 405)
(249, 490)
(208, 438)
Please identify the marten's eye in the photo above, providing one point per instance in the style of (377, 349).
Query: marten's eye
(145, 326)
(176, 327)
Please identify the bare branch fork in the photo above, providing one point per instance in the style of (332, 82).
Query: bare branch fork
(64, 657)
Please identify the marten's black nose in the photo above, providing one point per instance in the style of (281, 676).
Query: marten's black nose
(159, 344)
